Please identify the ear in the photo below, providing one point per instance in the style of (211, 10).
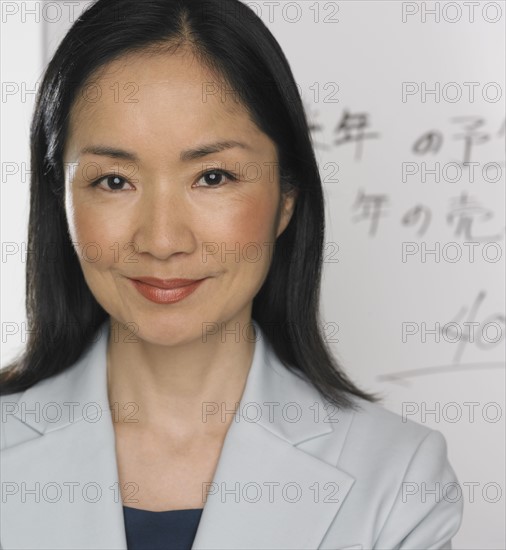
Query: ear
(287, 207)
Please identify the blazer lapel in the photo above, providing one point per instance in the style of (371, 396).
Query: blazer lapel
(268, 494)
(267, 491)
(270, 490)
(63, 477)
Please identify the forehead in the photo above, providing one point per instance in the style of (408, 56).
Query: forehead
(157, 95)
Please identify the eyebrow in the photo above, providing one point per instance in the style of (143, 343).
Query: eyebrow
(185, 156)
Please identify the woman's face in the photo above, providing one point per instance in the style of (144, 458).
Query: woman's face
(139, 203)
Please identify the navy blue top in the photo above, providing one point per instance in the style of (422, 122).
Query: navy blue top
(170, 530)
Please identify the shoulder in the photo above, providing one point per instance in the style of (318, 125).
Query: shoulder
(385, 429)
(403, 479)
(377, 446)
(388, 443)
(58, 400)
(47, 405)
(366, 436)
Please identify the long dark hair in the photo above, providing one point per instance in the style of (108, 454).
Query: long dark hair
(229, 38)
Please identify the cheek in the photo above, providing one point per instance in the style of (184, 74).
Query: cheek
(97, 234)
(244, 235)
(253, 224)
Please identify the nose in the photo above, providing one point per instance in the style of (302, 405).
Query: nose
(164, 225)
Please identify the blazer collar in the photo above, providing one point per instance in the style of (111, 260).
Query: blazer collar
(271, 489)
(83, 387)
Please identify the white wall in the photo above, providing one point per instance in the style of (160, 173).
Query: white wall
(357, 57)
(21, 67)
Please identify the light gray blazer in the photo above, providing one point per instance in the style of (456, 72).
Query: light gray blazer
(293, 473)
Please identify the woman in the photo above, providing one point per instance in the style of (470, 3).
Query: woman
(176, 390)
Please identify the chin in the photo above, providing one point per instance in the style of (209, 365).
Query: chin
(168, 330)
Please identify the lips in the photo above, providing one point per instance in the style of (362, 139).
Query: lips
(165, 291)
(166, 283)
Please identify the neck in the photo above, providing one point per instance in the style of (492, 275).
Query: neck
(189, 388)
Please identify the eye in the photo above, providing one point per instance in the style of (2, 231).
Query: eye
(113, 180)
(213, 178)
